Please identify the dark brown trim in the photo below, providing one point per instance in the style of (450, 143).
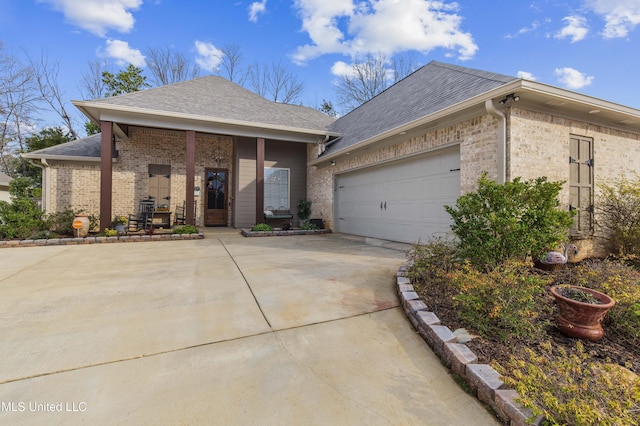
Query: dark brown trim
(191, 174)
(259, 180)
(106, 173)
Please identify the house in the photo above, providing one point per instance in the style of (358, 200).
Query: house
(384, 170)
(4, 187)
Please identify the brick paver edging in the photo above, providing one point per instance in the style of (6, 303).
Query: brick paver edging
(483, 380)
(100, 240)
(282, 233)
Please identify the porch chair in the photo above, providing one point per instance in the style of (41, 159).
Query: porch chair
(180, 217)
(143, 220)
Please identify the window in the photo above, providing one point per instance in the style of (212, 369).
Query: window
(159, 184)
(581, 184)
(276, 187)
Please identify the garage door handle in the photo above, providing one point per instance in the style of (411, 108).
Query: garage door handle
(385, 205)
(380, 205)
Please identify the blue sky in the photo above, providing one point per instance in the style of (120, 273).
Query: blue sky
(589, 46)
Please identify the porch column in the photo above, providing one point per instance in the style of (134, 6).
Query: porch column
(106, 173)
(191, 173)
(259, 180)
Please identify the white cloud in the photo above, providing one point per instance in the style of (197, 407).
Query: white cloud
(123, 53)
(576, 28)
(526, 75)
(620, 16)
(534, 26)
(340, 69)
(98, 16)
(572, 78)
(209, 56)
(386, 26)
(257, 8)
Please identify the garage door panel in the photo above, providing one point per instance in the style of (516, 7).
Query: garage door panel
(414, 191)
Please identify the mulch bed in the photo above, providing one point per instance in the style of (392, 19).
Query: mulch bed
(610, 349)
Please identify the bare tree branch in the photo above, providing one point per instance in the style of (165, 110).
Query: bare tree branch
(92, 86)
(275, 82)
(368, 77)
(230, 66)
(168, 66)
(46, 77)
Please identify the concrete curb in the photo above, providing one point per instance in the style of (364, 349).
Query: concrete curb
(484, 381)
(100, 240)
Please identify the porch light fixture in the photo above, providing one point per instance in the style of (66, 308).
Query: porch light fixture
(333, 163)
(512, 96)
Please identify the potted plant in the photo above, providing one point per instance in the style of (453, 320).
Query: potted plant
(119, 223)
(581, 311)
(304, 211)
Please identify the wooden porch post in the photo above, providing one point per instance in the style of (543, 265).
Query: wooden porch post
(106, 173)
(259, 180)
(191, 173)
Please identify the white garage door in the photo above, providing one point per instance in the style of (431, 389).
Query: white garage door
(400, 201)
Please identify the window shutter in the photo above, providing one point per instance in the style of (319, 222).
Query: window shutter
(581, 186)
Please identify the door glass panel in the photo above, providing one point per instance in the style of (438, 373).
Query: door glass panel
(216, 189)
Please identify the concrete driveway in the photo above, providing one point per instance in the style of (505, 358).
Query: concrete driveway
(226, 330)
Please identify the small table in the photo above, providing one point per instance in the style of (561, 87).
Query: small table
(161, 219)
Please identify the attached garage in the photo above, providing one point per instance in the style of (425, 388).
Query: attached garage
(400, 201)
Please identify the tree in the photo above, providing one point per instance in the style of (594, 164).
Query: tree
(230, 66)
(46, 77)
(16, 166)
(275, 82)
(168, 66)
(19, 98)
(93, 86)
(371, 75)
(126, 81)
(327, 108)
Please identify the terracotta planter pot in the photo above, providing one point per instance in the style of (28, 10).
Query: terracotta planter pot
(579, 319)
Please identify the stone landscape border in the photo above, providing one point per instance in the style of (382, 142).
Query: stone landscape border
(281, 233)
(483, 380)
(100, 240)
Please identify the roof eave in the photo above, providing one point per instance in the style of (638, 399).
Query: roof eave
(183, 121)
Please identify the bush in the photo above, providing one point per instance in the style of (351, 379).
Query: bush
(619, 216)
(516, 219)
(501, 303)
(61, 222)
(308, 226)
(21, 218)
(567, 390)
(262, 227)
(185, 229)
(431, 261)
(622, 283)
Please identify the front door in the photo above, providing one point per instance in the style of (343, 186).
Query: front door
(216, 197)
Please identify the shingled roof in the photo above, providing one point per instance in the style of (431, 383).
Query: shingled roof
(85, 148)
(216, 99)
(432, 88)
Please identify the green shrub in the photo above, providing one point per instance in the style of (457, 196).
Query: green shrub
(619, 216)
(567, 390)
(185, 229)
(516, 219)
(431, 261)
(262, 227)
(308, 226)
(21, 218)
(61, 222)
(110, 232)
(304, 209)
(501, 303)
(622, 283)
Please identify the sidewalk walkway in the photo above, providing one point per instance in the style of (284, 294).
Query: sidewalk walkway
(225, 330)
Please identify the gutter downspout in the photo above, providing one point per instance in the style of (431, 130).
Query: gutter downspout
(46, 185)
(502, 139)
(322, 145)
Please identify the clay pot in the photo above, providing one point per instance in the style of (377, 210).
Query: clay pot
(582, 320)
(81, 225)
